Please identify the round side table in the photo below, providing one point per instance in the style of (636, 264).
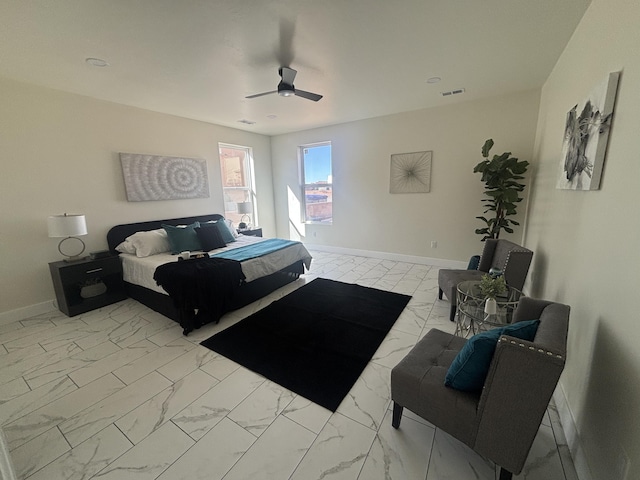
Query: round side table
(471, 317)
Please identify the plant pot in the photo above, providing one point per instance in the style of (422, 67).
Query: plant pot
(490, 306)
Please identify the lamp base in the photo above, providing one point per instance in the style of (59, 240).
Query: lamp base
(75, 256)
(246, 219)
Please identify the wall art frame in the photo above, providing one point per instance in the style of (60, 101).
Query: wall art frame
(155, 177)
(586, 134)
(410, 172)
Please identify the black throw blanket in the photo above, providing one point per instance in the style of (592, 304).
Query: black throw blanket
(203, 284)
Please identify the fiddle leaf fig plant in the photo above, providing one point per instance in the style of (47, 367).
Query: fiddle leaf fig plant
(500, 176)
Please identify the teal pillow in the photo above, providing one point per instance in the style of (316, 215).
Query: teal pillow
(525, 330)
(470, 367)
(225, 233)
(182, 239)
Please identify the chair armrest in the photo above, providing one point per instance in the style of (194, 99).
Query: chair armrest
(517, 391)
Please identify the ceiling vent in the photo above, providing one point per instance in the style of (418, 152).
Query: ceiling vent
(453, 92)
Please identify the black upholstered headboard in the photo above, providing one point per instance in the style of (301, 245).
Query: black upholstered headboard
(117, 234)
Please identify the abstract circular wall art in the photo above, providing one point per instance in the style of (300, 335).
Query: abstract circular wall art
(153, 177)
(410, 172)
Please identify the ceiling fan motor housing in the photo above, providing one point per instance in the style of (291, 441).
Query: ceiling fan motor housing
(286, 90)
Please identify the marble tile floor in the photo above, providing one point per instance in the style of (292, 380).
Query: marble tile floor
(120, 393)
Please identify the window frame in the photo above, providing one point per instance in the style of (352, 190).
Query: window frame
(303, 185)
(248, 172)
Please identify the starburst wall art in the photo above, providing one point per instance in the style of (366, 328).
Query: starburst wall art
(410, 172)
(586, 133)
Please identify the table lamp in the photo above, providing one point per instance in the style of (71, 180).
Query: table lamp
(245, 208)
(68, 226)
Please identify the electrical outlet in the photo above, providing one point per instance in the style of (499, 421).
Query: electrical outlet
(434, 244)
(622, 464)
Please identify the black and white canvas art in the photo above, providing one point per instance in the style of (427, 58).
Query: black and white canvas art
(586, 133)
(410, 172)
(153, 177)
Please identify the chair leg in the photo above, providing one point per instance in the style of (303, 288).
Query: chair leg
(505, 474)
(397, 415)
(452, 313)
(440, 292)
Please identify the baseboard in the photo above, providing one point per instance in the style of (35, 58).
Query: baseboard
(571, 433)
(398, 257)
(26, 312)
(44, 307)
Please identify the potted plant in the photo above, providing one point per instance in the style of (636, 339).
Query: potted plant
(491, 287)
(500, 176)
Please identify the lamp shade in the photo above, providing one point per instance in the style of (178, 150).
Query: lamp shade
(66, 225)
(245, 207)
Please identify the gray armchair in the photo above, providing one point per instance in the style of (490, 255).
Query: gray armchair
(512, 259)
(501, 421)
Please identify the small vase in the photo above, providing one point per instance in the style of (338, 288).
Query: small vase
(490, 306)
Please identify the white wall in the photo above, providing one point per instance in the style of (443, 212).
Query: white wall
(586, 243)
(59, 153)
(366, 216)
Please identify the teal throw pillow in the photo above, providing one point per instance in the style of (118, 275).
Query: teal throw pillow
(227, 236)
(525, 330)
(470, 367)
(182, 239)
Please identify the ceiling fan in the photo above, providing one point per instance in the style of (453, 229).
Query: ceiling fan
(286, 88)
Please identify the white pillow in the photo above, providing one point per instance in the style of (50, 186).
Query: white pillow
(126, 247)
(149, 242)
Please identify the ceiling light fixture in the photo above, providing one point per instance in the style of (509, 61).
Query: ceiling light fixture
(246, 122)
(433, 80)
(96, 62)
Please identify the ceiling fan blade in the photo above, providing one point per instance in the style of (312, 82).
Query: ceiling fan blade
(287, 74)
(285, 51)
(262, 94)
(308, 95)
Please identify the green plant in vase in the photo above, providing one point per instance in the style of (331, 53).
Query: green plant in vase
(491, 287)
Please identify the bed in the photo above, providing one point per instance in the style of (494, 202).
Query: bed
(262, 275)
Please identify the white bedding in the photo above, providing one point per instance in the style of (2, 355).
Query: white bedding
(139, 271)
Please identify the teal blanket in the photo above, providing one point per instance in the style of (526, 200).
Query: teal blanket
(255, 250)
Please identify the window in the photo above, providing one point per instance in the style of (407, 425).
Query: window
(317, 182)
(236, 167)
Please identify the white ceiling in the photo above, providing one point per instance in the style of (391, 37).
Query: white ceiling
(199, 59)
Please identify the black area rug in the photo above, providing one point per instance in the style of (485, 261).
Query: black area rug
(315, 341)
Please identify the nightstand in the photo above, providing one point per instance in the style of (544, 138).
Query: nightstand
(87, 284)
(252, 232)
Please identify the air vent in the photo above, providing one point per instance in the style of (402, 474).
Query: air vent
(453, 92)
(246, 122)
